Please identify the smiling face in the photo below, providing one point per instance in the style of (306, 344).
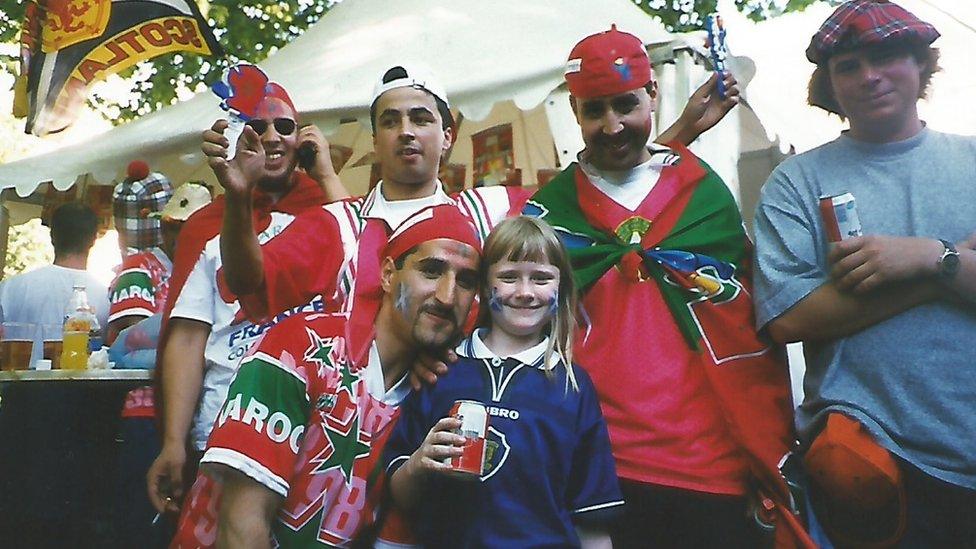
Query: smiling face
(409, 139)
(616, 128)
(432, 292)
(280, 146)
(523, 298)
(877, 88)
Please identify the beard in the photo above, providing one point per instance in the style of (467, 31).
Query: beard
(436, 340)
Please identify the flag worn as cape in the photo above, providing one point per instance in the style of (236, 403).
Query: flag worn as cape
(67, 45)
(697, 253)
(203, 226)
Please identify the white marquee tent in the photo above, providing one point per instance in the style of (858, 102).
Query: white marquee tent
(500, 61)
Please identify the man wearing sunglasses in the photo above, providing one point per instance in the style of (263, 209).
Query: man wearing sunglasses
(204, 334)
(412, 128)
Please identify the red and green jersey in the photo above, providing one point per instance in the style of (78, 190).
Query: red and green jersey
(670, 344)
(299, 420)
(140, 286)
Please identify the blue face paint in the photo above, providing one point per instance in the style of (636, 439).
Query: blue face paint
(402, 298)
(494, 303)
(554, 304)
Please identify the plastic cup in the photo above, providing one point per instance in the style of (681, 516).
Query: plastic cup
(17, 345)
(51, 349)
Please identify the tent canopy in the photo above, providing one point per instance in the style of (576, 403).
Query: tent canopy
(498, 60)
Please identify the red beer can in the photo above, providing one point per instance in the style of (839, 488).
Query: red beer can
(474, 428)
(840, 217)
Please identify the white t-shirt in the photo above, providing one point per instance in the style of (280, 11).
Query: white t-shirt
(630, 187)
(40, 296)
(231, 334)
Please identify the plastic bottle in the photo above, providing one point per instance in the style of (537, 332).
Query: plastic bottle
(79, 321)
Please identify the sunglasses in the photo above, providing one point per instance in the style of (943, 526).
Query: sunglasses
(284, 126)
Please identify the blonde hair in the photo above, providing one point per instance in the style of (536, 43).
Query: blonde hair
(525, 238)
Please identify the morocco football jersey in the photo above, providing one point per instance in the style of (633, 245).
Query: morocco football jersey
(140, 288)
(302, 422)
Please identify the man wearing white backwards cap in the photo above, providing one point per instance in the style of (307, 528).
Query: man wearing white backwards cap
(412, 128)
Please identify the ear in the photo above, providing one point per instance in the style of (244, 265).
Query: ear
(652, 92)
(387, 274)
(572, 105)
(448, 138)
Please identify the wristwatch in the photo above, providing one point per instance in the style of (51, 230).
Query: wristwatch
(949, 262)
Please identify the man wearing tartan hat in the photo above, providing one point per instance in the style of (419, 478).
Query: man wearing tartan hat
(886, 315)
(141, 193)
(698, 408)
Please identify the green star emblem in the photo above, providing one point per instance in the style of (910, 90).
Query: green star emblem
(346, 449)
(320, 350)
(348, 379)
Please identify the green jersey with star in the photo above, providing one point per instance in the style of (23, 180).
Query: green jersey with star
(299, 421)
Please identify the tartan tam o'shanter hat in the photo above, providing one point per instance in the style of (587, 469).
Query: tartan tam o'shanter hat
(607, 63)
(139, 195)
(866, 22)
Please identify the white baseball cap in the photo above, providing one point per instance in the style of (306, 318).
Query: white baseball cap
(409, 75)
(187, 199)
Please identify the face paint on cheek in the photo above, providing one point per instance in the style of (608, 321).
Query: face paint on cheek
(554, 304)
(403, 299)
(494, 303)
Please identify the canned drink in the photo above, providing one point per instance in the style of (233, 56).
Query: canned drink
(840, 217)
(474, 428)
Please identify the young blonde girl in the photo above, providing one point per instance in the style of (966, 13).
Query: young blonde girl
(549, 478)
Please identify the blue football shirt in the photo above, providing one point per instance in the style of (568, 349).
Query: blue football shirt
(548, 464)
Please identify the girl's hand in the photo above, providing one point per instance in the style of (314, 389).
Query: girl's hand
(440, 444)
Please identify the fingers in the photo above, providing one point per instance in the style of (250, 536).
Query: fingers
(854, 277)
(165, 486)
(706, 89)
(251, 141)
(844, 248)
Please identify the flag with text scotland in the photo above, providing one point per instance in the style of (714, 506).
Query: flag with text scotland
(67, 45)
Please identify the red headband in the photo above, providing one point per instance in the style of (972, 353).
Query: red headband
(431, 223)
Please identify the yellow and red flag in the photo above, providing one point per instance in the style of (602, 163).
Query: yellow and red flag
(66, 45)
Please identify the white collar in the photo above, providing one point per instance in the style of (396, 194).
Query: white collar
(395, 211)
(376, 385)
(474, 347)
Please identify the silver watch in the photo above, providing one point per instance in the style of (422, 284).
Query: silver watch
(949, 262)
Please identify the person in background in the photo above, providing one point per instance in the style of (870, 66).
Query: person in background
(886, 311)
(138, 296)
(40, 296)
(140, 194)
(41, 488)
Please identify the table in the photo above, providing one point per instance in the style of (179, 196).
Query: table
(75, 375)
(59, 456)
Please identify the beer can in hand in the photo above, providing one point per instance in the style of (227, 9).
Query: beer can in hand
(840, 218)
(474, 428)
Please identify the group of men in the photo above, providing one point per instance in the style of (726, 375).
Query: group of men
(355, 296)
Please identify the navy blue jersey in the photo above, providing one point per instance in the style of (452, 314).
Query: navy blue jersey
(548, 462)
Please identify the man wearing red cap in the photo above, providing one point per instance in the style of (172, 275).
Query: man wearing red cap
(885, 311)
(294, 453)
(697, 406)
(412, 127)
(203, 336)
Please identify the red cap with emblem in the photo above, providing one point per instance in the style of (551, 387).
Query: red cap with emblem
(431, 223)
(607, 63)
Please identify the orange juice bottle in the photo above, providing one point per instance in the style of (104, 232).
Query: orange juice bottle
(78, 322)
